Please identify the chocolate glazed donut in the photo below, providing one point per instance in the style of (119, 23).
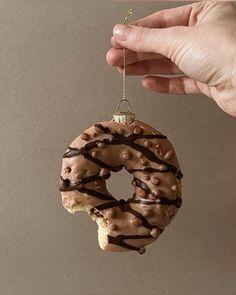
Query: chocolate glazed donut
(145, 153)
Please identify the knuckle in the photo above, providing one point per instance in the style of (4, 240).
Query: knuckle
(142, 35)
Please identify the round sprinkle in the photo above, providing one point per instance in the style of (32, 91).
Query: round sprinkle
(162, 167)
(144, 162)
(174, 187)
(141, 193)
(138, 130)
(142, 250)
(84, 136)
(67, 170)
(154, 232)
(133, 182)
(126, 155)
(101, 145)
(147, 143)
(94, 153)
(113, 227)
(156, 193)
(136, 221)
(104, 172)
(155, 180)
(169, 155)
(146, 177)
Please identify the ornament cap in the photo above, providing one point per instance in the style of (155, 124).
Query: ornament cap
(124, 117)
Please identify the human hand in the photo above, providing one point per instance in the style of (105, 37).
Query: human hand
(197, 41)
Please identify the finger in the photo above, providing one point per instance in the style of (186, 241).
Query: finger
(156, 66)
(115, 57)
(166, 18)
(115, 43)
(179, 16)
(180, 85)
(162, 41)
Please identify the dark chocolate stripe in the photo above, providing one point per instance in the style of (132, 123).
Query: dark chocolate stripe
(107, 205)
(67, 186)
(145, 222)
(160, 201)
(138, 136)
(142, 185)
(119, 240)
(153, 158)
(126, 140)
(71, 153)
(96, 194)
(147, 170)
(103, 128)
(97, 161)
(91, 178)
(85, 152)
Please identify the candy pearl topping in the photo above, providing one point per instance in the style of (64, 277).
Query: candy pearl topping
(136, 221)
(174, 187)
(101, 145)
(84, 136)
(138, 130)
(154, 232)
(142, 250)
(155, 180)
(126, 155)
(147, 143)
(168, 155)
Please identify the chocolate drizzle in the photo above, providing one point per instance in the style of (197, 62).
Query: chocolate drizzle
(119, 240)
(129, 140)
(67, 186)
(142, 185)
(160, 201)
(102, 128)
(124, 206)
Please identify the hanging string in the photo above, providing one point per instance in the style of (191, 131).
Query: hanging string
(124, 100)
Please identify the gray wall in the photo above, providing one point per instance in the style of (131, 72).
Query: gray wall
(54, 83)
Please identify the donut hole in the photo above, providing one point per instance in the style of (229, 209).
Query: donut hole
(119, 184)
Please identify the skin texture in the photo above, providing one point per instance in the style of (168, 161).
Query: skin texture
(196, 42)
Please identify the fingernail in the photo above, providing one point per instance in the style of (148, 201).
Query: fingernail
(121, 32)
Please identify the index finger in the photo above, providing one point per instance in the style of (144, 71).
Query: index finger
(178, 16)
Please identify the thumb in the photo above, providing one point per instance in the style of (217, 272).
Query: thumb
(165, 41)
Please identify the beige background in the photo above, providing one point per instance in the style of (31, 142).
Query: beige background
(54, 83)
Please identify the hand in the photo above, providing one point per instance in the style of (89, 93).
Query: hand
(197, 41)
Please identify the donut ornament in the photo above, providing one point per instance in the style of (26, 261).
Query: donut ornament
(106, 148)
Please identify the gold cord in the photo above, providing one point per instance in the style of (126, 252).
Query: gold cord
(130, 12)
